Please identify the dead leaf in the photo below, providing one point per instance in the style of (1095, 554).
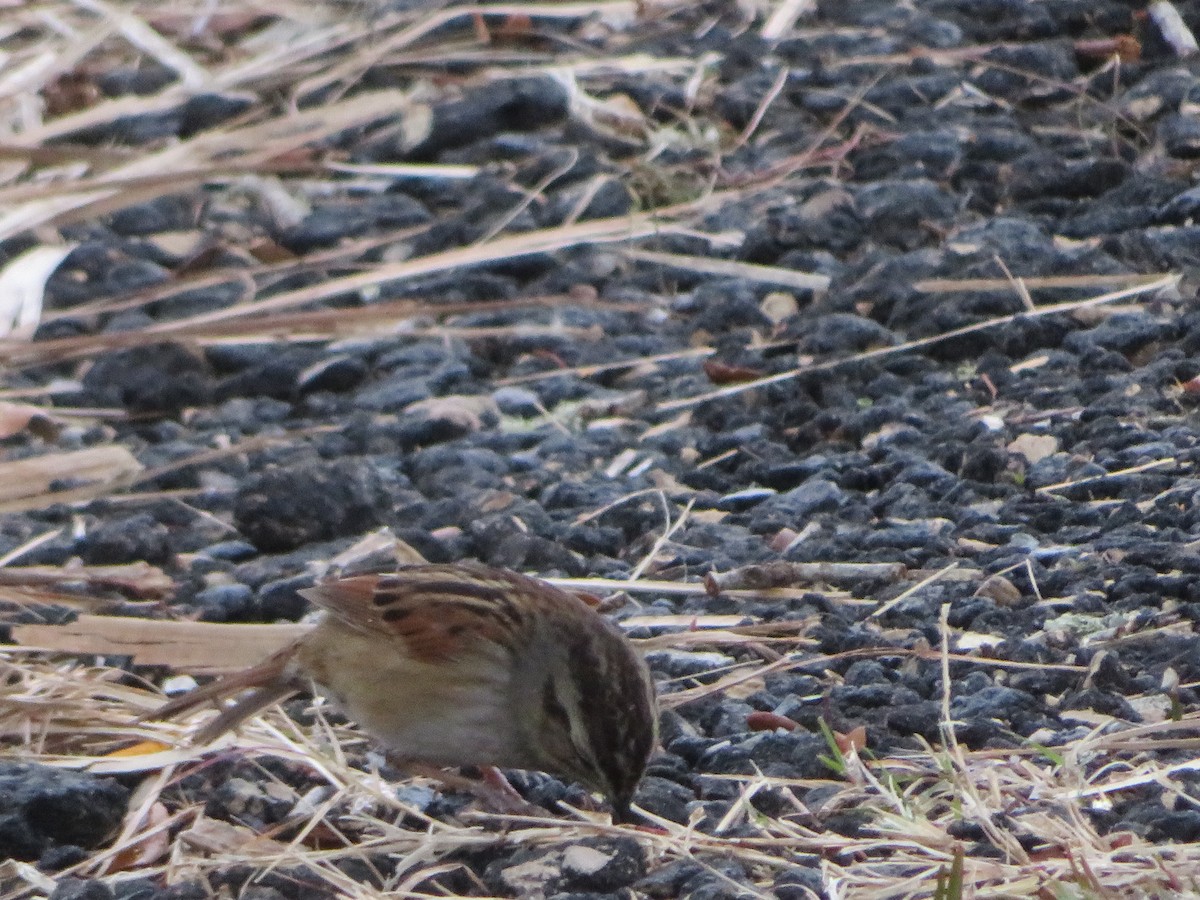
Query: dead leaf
(855, 739)
(70, 92)
(722, 373)
(23, 288)
(769, 721)
(18, 417)
(779, 306)
(514, 27)
(214, 836)
(1124, 47)
(782, 539)
(1000, 589)
(1034, 447)
(268, 251)
(151, 848)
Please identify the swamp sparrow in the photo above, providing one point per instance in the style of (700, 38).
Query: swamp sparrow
(464, 664)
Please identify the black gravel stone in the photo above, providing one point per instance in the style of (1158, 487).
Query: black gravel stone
(793, 752)
(81, 889)
(162, 379)
(135, 889)
(163, 214)
(328, 225)
(282, 509)
(603, 864)
(203, 111)
(666, 881)
(798, 883)
(279, 599)
(44, 809)
(117, 541)
(227, 603)
(514, 105)
(234, 551)
(901, 213)
(147, 78)
(1180, 136)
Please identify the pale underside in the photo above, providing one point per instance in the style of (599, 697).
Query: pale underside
(423, 711)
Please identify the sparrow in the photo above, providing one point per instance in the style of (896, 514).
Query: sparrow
(463, 664)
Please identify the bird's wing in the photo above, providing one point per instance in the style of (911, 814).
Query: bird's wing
(437, 611)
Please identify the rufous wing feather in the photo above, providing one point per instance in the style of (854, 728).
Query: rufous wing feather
(350, 601)
(436, 613)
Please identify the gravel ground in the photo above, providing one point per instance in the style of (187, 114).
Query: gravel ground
(907, 284)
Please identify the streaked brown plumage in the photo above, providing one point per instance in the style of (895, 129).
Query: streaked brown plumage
(464, 664)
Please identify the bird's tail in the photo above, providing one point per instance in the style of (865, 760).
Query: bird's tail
(271, 681)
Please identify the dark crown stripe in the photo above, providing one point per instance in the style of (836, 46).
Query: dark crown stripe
(614, 690)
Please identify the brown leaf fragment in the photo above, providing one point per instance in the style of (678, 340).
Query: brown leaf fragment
(514, 27)
(1000, 589)
(782, 539)
(268, 251)
(323, 836)
(855, 739)
(70, 92)
(549, 356)
(214, 836)
(1120, 839)
(722, 373)
(1124, 47)
(204, 257)
(590, 599)
(151, 848)
(18, 417)
(769, 721)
